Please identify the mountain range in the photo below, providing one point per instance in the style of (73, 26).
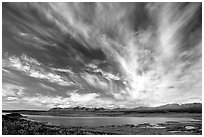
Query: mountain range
(190, 108)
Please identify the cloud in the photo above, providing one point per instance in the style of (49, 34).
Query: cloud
(46, 101)
(29, 60)
(75, 99)
(35, 69)
(84, 98)
(94, 69)
(94, 80)
(147, 54)
(12, 90)
(36, 42)
(63, 70)
(12, 98)
(5, 70)
(46, 87)
(11, 93)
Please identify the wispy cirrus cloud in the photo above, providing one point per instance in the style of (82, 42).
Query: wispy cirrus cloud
(46, 87)
(35, 69)
(63, 70)
(94, 69)
(12, 90)
(115, 54)
(35, 41)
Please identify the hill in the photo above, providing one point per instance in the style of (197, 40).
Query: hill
(190, 108)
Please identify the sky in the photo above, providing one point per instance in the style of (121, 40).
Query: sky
(101, 54)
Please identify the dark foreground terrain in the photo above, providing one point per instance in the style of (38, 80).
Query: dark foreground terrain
(15, 124)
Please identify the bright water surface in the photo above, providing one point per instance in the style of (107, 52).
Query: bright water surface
(103, 121)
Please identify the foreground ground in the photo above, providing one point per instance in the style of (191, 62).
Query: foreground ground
(12, 125)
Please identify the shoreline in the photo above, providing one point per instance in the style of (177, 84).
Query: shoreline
(22, 126)
(169, 114)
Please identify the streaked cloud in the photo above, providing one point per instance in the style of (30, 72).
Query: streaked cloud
(46, 87)
(12, 90)
(102, 54)
(63, 70)
(12, 98)
(34, 69)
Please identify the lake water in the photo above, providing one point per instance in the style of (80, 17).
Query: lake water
(103, 121)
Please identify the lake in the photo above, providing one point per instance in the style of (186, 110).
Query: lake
(103, 121)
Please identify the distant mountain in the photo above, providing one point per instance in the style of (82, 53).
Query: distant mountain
(91, 112)
(190, 107)
(78, 108)
(170, 106)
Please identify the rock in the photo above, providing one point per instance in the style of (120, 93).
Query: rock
(189, 127)
(16, 115)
